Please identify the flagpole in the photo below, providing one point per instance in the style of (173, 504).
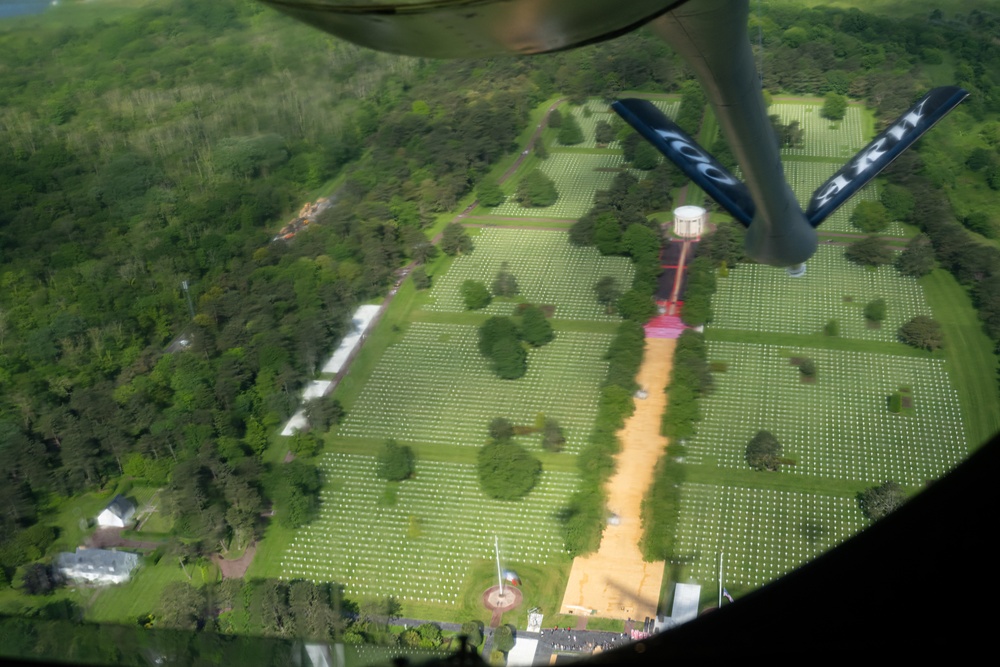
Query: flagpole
(496, 547)
(720, 580)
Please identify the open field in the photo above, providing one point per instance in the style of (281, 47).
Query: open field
(420, 545)
(616, 582)
(763, 298)
(435, 387)
(548, 269)
(840, 426)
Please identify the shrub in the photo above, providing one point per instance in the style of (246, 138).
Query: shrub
(808, 368)
(832, 328)
(896, 402)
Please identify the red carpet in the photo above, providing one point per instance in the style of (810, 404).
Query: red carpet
(664, 326)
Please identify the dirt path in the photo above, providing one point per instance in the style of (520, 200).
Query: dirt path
(615, 582)
(235, 569)
(105, 538)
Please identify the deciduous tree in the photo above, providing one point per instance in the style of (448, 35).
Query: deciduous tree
(875, 310)
(535, 327)
(475, 295)
(878, 501)
(455, 240)
(917, 259)
(834, 106)
(507, 471)
(395, 461)
(870, 217)
(570, 132)
(869, 251)
(505, 284)
(537, 190)
(763, 451)
(923, 332)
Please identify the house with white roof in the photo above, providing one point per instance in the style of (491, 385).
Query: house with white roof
(100, 566)
(117, 514)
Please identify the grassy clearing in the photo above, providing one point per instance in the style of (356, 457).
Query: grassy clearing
(125, 603)
(972, 364)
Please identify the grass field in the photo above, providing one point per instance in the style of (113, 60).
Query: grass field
(548, 269)
(763, 298)
(422, 380)
(762, 533)
(823, 138)
(840, 426)
(578, 176)
(435, 387)
(419, 545)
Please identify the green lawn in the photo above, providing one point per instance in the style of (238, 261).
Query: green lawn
(972, 363)
(124, 603)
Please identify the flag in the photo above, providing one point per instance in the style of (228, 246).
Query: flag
(727, 595)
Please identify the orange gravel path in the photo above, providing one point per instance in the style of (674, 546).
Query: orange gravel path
(615, 582)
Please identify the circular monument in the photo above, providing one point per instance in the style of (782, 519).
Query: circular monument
(689, 221)
(496, 601)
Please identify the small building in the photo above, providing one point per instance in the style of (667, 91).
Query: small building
(689, 221)
(117, 514)
(100, 566)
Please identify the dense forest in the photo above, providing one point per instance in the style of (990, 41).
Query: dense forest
(168, 144)
(198, 129)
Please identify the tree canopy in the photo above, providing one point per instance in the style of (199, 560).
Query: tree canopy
(395, 461)
(475, 295)
(455, 240)
(537, 190)
(535, 327)
(923, 332)
(834, 106)
(875, 310)
(878, 501)
(507, 471)
(869, 251)
(870, 216)
(570, 132)
(764, 452)
(505, 284)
